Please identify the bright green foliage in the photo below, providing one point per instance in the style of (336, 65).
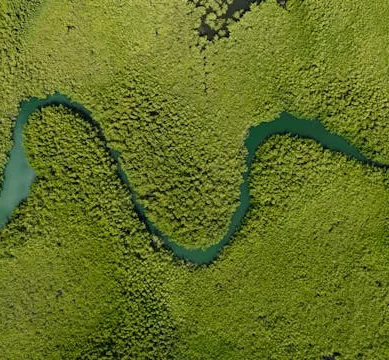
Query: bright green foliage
(81, 285)
(131, 79)
(307, 274)
(14, 16)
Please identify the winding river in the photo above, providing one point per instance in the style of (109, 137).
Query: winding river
(19, 176)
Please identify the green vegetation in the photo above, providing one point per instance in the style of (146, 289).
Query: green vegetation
(80, 286)
(307, 274)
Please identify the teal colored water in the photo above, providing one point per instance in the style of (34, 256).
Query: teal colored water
(19, 176)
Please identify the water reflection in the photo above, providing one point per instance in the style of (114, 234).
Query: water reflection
(234, 11)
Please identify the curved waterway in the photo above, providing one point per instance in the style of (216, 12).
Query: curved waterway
(19, 176)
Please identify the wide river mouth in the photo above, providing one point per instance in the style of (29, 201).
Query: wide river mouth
(19, 175)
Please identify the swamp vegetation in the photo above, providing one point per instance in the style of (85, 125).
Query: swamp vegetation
(307, 274)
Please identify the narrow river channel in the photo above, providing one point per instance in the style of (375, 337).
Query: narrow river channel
(19, 176)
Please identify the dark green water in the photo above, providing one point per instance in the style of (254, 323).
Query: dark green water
(235, 9)
(19, 176)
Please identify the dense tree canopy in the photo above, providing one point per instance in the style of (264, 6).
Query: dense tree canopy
(307, 274)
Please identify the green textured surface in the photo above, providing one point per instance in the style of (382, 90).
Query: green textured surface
(307, 274)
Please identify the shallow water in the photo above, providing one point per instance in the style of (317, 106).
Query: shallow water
(234, 7)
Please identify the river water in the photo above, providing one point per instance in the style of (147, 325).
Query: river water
(19, 176)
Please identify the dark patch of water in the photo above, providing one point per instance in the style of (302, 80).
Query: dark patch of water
(331, 357)
(234, 11)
